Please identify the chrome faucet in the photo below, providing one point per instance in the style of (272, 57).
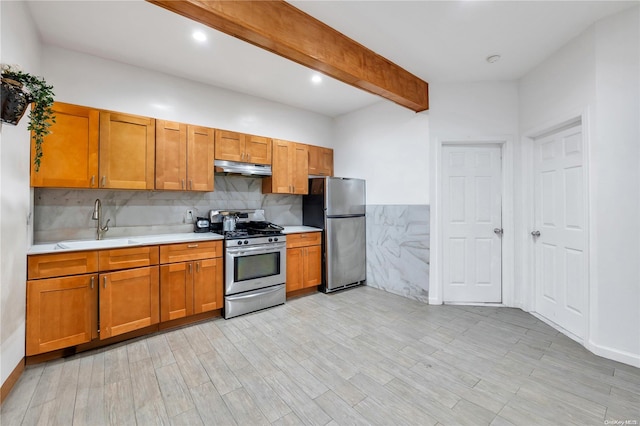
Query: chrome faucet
(97, 215)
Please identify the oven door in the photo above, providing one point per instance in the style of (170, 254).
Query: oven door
(251, 268)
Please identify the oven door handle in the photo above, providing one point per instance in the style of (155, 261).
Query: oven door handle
(235, 252)
(254, 293)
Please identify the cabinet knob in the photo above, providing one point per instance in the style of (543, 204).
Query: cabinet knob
(104, 282)
(93, 280)
(182, 183)
(104, 181)
(93, 180)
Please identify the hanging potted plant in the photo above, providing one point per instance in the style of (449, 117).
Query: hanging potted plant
(19, 89)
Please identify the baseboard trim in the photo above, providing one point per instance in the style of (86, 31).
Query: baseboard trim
(603, 351)
(11, 380)
(614, 354)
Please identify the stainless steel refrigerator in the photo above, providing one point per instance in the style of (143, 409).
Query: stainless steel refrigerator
(337, 205)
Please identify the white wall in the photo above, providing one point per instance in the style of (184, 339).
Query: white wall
(473, 112)
(389, 147)
(598, 73)
(19, 46)
(88, 80)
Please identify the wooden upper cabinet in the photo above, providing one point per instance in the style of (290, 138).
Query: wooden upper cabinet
(70, 152)
(171, 155)
(300, 169)
(289, 169)
(320, 161)
(127, 151)
(184, 157)
(200, 150)
(257, 149)
(234, 146)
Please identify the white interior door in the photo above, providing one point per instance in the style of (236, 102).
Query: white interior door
(560, 263)
(472, 224)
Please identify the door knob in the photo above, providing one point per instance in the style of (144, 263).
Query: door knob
(498, 231)
(535, 233)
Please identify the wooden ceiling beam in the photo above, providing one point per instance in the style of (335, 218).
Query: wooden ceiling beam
(287, 31)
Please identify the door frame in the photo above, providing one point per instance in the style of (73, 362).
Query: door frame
(436, 287)
(529, 289)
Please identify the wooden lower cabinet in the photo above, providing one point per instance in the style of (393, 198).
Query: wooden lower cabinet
(129, 300)
(60, 312)
(304, 261)
(193, 286)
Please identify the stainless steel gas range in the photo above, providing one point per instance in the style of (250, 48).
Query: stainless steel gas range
(255, 268)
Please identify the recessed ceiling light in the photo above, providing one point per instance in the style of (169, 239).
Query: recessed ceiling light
(316, 79)
(492, 59)
(199, 36)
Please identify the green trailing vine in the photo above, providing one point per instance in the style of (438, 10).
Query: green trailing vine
(41, 116)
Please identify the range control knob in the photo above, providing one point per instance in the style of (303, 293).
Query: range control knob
(275, 239)
(239, 243)
(246, 242)
(270, 240)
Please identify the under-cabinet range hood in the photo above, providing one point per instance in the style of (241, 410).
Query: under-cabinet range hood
(244, 169)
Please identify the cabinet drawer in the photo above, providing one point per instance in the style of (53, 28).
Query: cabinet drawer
(185, 252)
(125, 258)
(304, 239)
(61, 264)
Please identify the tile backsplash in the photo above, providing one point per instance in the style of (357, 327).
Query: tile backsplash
(65, 214)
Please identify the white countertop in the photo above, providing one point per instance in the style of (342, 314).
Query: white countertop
(142, 240)
(299, 228)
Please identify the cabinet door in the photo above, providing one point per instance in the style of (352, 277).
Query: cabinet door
(320, 161)
(70, 152)
(61, 264)
(300, 169)
(295, 269)
(229, 146)
(127, 258)
(326, 162)
(282, 169)
(200, 148)
(127, 151)
(207, 285)
(176, 290)
(171, 155)
(312, 266)
(61, 312)
(257, 150)
(129, 300)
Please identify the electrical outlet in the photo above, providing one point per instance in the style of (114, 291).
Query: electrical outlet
(189, 216)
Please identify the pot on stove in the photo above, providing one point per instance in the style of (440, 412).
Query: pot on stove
(229, 223)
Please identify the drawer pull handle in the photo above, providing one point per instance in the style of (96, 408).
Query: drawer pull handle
(192, 246)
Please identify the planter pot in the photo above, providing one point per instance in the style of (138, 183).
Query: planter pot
(14, 101)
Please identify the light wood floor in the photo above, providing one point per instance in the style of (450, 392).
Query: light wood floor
(361, 356)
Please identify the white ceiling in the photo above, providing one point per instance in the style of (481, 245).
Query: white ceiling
(436, 40)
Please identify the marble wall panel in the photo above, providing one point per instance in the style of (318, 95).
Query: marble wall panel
(62, 214)
(398, 249)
